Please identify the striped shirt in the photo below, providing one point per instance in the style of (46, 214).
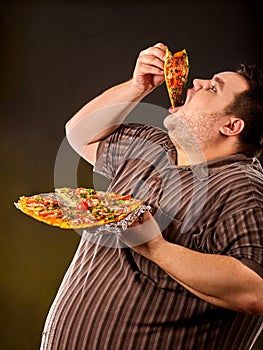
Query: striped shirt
(112, 298)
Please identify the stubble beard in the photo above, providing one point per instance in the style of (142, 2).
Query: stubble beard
(192, 131)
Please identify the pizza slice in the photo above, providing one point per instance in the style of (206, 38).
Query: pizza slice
(78, 208)
(176, 69)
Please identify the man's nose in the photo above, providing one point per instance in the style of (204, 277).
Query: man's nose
(198, 84)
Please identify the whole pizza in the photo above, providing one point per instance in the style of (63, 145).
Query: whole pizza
(78, 208)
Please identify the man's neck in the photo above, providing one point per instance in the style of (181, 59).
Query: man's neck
(201, 157)
(183, 159)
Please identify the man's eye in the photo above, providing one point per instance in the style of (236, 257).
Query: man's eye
(213, 88)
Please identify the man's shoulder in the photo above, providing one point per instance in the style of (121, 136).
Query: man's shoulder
(142, 135)
(247, 171)
(239, 166)
(143, 130)
(238, 184)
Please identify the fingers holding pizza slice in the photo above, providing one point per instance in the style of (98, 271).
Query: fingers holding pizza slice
(176, 70)
(78, 208)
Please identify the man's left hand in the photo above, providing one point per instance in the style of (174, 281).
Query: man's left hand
(143, 234)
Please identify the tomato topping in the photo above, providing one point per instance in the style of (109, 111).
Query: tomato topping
(128, 196)
(82, 206)
(30, 200)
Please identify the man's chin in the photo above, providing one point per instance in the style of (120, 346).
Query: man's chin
(169, 121)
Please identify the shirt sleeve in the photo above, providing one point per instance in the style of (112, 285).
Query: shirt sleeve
(111, 151)
(129, 140)
(241, 236)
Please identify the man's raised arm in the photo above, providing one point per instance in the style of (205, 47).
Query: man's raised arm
(101, 116)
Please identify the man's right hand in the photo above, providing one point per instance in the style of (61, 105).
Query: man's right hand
(148, 72)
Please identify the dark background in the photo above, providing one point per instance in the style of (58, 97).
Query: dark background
(55, 56)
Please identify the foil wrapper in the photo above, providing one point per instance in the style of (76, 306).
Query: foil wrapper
(119, 226)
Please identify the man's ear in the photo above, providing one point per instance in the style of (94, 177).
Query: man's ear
(232, 127)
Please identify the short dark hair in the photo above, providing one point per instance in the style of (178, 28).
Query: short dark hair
(248, 105)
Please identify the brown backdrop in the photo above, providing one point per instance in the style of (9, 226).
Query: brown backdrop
(55, 56)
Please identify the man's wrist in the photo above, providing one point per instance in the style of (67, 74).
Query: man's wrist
(138, 92)
(152, 249)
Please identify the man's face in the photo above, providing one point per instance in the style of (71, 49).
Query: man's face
(201, 116)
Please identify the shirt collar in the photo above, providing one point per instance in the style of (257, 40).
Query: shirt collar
(203, 170)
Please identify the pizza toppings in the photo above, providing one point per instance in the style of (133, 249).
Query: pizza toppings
(82, 206)
(176, 69)
(78, 208)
